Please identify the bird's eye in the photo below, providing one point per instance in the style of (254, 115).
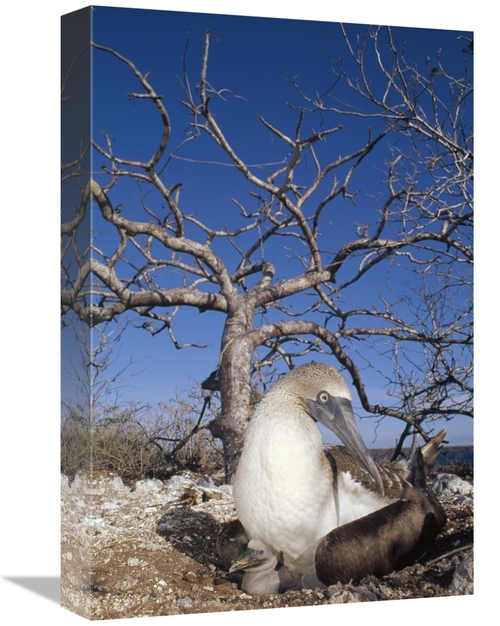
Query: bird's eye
(323, 397)
(261, 552)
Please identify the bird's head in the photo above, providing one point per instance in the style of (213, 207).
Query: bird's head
(258, 557)
(325, 397)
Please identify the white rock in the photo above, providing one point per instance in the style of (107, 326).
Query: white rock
(463, 578)
(449, 485)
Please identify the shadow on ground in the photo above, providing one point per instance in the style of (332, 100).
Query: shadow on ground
(47, 586)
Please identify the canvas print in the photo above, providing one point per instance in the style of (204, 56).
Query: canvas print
(266, 303)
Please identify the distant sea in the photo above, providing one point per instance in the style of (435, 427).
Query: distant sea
(452, 455)
(456, 454)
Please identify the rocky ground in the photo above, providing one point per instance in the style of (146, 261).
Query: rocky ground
(150, 550)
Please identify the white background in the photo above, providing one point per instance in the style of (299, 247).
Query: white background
(29, 306)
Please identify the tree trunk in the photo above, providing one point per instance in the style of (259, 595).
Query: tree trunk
(235, 385)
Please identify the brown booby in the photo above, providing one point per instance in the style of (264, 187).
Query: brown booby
(331, 515)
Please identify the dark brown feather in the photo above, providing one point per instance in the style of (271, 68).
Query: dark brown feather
(382, 541)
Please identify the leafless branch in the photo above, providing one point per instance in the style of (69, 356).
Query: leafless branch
(297, 276)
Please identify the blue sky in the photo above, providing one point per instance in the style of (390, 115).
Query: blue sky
(254, 58)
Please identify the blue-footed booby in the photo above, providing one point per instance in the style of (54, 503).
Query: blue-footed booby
(264, 571)
(332, 515)
(259, 563)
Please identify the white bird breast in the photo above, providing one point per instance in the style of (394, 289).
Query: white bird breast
(283, 486)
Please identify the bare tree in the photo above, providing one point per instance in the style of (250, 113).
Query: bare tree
(157, 262)
(105, 428)
(97, 377)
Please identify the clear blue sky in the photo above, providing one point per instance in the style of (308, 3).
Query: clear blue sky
(252, 57)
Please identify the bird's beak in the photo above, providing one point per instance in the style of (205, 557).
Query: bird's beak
(251, 558)
(337, 415)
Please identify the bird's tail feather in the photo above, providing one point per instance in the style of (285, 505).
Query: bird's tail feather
(432, 449)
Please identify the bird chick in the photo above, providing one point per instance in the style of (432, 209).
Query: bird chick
(259, 563)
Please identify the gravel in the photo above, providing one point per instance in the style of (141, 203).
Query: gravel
(150, 550)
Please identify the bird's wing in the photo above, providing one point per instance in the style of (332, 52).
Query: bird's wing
(232, 542)
(382, 541)
(394, 475)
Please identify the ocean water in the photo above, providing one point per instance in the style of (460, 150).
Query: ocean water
(464, 455)
(456, 455)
